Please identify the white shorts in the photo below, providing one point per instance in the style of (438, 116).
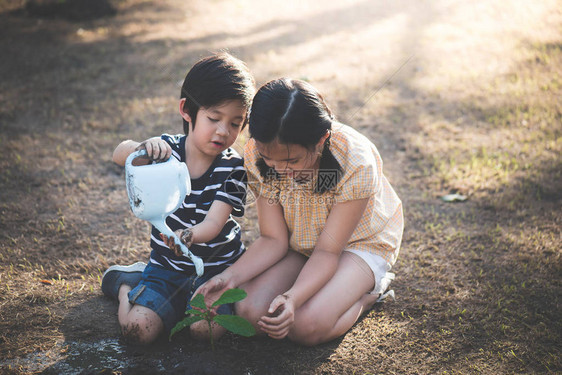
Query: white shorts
(380, 268)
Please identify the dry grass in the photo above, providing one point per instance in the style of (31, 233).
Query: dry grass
(475, 109)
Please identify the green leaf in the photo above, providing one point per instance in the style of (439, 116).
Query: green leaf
(236, 324)
(195, 312)
(186, 322)
(231, 296)
(199, 302)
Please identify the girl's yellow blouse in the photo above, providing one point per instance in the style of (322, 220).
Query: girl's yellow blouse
(381, 227)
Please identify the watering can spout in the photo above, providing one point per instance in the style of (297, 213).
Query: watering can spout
(157, 190)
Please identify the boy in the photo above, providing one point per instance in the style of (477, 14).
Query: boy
(214, 102)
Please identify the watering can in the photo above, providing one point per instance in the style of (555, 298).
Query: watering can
(157, 190)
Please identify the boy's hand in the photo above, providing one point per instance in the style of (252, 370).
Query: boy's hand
(185, 236)
(157, 149)
(171, 243)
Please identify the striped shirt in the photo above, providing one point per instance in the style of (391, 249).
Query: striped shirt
(225, 180)
(306, 212)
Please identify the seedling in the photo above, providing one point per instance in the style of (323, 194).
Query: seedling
(200, 311)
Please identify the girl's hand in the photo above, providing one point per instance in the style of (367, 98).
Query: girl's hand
(156, 148)
(281, 315)
(213, 289)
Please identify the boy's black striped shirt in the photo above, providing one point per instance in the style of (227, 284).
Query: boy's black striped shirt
(225, 180)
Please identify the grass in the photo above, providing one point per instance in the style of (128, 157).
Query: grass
(511, 149)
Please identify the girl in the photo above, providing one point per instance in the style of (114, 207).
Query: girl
(330, 223)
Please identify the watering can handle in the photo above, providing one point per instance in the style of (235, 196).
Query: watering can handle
(139, 153)
(136, 154)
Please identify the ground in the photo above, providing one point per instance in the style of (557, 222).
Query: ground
(459, 97)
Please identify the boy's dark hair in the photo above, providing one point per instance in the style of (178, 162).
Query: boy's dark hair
(293, 112)
(215, 80)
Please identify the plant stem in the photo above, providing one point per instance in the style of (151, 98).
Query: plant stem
(211, 334)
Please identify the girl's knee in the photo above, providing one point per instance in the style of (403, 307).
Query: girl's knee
(307, 336)
(308, 331)
(250, 311)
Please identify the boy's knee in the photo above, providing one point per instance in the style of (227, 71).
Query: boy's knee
(200, 331)
(135, 334)
(141, 331)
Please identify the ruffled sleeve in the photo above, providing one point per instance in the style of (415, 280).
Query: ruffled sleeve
(361, 164)
(359, 183)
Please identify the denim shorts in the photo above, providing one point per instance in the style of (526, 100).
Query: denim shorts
(168, 293)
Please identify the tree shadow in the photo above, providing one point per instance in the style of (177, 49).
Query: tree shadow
(71, 10)
(62, 78)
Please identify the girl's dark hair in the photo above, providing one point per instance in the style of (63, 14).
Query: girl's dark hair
(214, 80)
(293, 112)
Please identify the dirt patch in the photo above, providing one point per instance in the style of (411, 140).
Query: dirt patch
(457, 97)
